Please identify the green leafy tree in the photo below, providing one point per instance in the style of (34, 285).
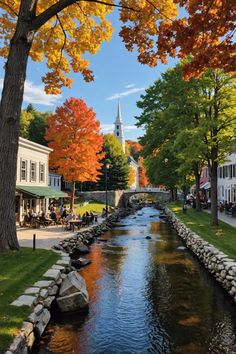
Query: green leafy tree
(26, 118)
(196, 118)
(118, 172)
(37, 128)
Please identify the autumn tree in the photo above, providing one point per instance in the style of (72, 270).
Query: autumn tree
(26, 118)
(134, 149)
(143, 180)
(207, 33)
(63, 31)
(74, 135)
(131, 176)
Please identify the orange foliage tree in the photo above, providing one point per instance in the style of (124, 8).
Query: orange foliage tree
(143, 180)
(74, 135)
(207, 34)
(131, 176)
(134, 149)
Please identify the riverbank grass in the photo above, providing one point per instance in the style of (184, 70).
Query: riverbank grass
(18, 271)
(222, 237)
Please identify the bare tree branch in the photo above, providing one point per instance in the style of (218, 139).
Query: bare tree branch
(51, 31)
(65, 38)
(160, 12)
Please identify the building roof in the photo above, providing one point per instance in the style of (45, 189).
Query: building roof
(34, 146)
(131, 160)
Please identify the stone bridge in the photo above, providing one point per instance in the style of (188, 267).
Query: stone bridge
(121, 198)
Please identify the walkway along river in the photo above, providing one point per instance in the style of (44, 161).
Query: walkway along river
(146, 296)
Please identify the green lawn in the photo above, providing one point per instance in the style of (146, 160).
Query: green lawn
(223, 236)
(91, 206)
(18, 271)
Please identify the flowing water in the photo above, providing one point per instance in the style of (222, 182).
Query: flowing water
(146, 296)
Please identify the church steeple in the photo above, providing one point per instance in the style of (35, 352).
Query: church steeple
(119, 129)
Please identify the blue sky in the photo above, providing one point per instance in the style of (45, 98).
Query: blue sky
(118, 74)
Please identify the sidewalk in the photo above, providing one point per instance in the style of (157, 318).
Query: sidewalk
(46, 237)
(231, 220)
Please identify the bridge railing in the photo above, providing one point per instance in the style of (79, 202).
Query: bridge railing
(147, 189)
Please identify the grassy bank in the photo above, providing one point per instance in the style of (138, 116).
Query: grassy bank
(91, 206)
(18, 271)
(223, 236)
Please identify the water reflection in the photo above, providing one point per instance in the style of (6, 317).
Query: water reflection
(146, 296)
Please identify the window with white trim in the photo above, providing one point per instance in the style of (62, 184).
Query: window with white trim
(33, 171)
(41, 172)
(23, 170)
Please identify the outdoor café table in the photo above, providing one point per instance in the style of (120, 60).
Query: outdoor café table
(74, 223)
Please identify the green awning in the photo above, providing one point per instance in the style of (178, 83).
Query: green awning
(39, 192)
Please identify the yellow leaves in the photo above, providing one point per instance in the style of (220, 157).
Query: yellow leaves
(142, 28)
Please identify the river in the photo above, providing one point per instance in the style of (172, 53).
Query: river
(146, 296)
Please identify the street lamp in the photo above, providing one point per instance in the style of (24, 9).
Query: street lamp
(107, 165)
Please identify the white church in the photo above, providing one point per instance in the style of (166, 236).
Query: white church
(119, 134)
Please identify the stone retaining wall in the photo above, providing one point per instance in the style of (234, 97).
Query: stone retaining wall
(40, 297)
(216, 262)
(42, 294)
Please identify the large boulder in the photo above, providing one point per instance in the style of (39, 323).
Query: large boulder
(73, 302)
(73, 294)
(80, 248)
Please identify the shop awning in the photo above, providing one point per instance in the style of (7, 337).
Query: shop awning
(205, 185)
(41, 192)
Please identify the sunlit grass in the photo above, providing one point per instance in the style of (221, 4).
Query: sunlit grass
(18, 271)
(91, 206)
(222, 236)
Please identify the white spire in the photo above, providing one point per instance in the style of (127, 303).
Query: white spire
(119, 129)
(119, 116)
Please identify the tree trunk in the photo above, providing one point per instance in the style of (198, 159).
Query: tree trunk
(214, 208)
(72, 202)
(10, 108)
(197, 181)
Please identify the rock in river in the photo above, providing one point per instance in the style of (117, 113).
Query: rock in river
(73, 294)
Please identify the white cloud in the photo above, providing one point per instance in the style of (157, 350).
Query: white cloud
(125, 93)
(128, 128)
(36, 95)
(109, 128)
(130, 86)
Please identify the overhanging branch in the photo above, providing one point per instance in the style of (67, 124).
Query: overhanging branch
(53, 10)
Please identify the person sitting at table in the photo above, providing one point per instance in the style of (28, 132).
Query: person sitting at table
(70, 216)
(43, 220)
(30, 215)
(84, 219)
(53, 216)
(64, 213)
